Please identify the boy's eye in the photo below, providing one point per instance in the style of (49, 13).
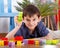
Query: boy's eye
(27, 19)
(34, 19)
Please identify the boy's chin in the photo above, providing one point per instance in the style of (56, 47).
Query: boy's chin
(32, 28)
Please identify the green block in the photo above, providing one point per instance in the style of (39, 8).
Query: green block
(20, 16)
(48, 42)
(54, 42)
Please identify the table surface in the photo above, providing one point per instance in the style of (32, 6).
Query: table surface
(33, 46)
(3, 34)
(29, 46)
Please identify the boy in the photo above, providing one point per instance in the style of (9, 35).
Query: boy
(31, 25)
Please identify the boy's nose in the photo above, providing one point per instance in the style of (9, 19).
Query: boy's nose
(31, 23)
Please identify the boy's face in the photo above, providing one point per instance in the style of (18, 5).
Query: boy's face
(31, 22)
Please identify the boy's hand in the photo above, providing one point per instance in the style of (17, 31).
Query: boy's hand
(16, 20)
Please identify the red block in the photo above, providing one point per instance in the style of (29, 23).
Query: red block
(4, 38)
(18, 38)
(5, 41)
(31, 41)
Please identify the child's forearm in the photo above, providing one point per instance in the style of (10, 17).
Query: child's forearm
(11, 34)
(47, 37)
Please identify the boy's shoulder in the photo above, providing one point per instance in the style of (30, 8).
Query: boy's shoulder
(23, 26)
(40, 24)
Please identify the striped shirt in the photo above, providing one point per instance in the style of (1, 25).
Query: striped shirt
(40, 31)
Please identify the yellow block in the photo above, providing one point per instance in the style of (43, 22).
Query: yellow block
(1, 43)
(55, 41)
(11, 41)
(19, 43)
(37, 42)
(20, 16)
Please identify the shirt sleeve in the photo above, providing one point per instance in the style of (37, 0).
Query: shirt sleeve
(18, 33)
(42, 29)
(21, 31)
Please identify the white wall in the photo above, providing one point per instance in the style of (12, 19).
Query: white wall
(5, 22)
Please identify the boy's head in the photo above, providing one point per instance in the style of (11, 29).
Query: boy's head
(31, 16)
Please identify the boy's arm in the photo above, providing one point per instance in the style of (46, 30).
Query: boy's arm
(11, 34)
(48, 37)
(44, 32)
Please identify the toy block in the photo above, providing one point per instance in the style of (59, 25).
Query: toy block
(19, 43)
(4, 38)
(42, 41)
(11, 43)
(25, 41)
(31, 41)
(20, 16)
(54, 42)
(37, 42)
(2, 43)
(5, 41)
(18, 38)
(48, 42)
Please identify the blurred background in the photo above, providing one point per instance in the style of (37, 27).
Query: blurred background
(8, 11)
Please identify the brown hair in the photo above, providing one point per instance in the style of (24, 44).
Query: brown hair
(30, 10)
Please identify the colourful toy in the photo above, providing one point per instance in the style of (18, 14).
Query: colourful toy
(11, 43)
(31, 42)
(48, 42)
(25, 41)
(54, 42)
(20, 16)
(2, 43)
(18, 38)
(19, 43)
(37, 42)
(5, 41)
(42, 42)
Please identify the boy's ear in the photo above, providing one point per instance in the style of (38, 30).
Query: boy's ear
(23, 19)
(40, 18)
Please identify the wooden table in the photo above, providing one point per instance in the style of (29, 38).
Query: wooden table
(32, 46)
(26, 46)
(3, 34)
